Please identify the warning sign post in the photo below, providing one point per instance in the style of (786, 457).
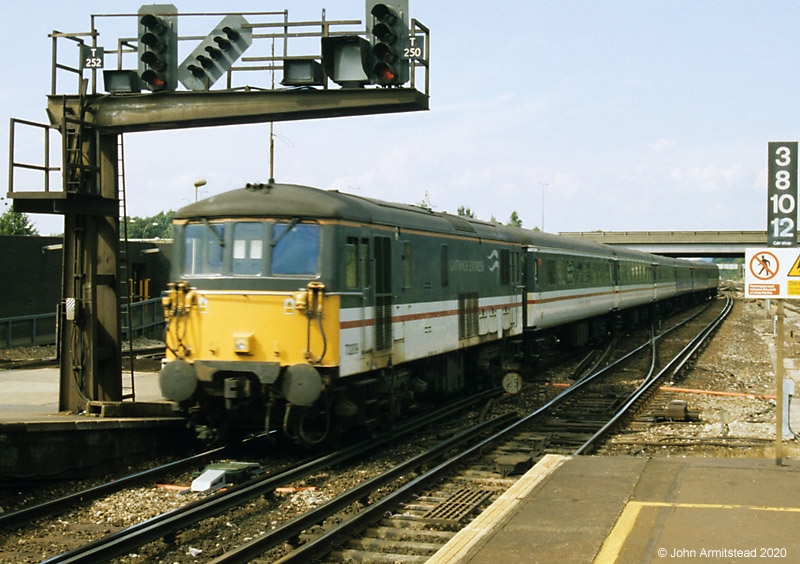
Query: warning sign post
(775, 272)
(772, 273)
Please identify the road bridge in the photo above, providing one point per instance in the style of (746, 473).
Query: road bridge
(679, 243)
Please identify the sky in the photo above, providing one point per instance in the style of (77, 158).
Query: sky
(578, 115)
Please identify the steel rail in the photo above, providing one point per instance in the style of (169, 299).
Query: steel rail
(50, 507)
(291, 529)
(578, 385)
(671, 369)
(121, 542)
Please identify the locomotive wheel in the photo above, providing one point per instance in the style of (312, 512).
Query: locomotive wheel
(307, 426)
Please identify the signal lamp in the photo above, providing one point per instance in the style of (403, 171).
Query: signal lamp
(158, 46)
(385, 74)
(302, 72)
(387, 30)
(216, 53)
(118, 81)
(346, 60)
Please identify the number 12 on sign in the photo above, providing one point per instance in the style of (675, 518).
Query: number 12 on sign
(782, 194)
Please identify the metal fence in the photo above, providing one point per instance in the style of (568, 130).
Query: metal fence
(145, 317)
(28, 330)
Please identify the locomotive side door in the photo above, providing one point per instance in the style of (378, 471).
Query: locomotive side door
(382, 249)
(528, 284)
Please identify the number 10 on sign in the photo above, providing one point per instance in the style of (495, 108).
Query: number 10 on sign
(782, 194)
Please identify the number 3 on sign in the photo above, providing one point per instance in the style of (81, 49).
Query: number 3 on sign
(784, 156)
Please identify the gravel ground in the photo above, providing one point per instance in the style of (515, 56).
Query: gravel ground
(737, 361)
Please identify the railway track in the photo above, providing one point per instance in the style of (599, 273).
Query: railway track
(16, 519)
(420, 515)
(124, 541)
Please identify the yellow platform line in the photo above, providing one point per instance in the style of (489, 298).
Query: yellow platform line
(460, 545)
(614, 542)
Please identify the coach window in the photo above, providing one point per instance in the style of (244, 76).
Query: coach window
(505, 267)
(295, 249)
(550, 272)
(515, 273)
(406, 264)
(248, 248)
(570, 272)
(203, 244)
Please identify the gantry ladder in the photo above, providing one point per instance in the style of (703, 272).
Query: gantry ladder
(125, 281)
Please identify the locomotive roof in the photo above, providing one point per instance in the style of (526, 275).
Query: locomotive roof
(291, 200)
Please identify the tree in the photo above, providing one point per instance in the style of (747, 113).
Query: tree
(15, 223)
(466, 212)
(156, 226)
(514, 220)
(426, 202)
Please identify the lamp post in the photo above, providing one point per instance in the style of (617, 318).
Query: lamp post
(144, 230)
(197, 185)
(544, 185)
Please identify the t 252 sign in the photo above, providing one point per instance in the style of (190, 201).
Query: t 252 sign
(782, 194)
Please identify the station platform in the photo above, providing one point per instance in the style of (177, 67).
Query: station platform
(36, 440)
(631, 510)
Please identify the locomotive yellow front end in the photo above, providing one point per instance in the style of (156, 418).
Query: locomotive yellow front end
(252, 331)
(243, 340)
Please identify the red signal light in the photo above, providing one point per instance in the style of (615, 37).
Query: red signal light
(155, 81)
(387, 75)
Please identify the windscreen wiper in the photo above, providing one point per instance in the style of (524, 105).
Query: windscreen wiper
(214, 231)
(292, 223)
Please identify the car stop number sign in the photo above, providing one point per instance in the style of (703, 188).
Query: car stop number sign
(772, 273)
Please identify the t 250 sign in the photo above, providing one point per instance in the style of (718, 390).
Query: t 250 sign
(782, 194)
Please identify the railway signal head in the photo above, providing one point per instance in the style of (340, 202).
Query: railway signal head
(216, 53)
(387, 30)
(345, 59)
(158, 47)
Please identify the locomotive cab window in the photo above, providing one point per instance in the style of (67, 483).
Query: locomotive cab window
(356, 267)
(248, 248)
(295, 249)
(406, 264)
(351, 263)
(445, 268)
(203, 249)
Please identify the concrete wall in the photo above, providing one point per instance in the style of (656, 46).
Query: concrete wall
(30, 275)
(30, 278)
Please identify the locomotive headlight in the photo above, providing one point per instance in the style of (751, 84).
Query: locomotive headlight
(242, 343)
